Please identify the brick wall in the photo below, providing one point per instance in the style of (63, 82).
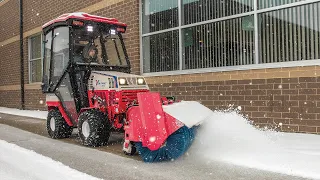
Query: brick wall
(10, 99)
(35, 100)
(36, 13)
(127, 12)
(294, 102)
(10, 64)
(9, 20)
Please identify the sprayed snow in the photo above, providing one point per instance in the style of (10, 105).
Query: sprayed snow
(26, 113)
(230, 138)
(20, 163)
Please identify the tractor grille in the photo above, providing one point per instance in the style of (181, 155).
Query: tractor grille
(129, 96)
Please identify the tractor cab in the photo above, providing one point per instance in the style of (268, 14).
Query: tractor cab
(80, 42)
(79, 47)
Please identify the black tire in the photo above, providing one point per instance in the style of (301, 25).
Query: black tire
(99, 128)
(60, 129)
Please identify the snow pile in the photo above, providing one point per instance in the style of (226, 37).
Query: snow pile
(26, 113)
(228, 137)
(20, 163)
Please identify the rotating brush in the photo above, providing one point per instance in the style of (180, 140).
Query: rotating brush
(174, 147)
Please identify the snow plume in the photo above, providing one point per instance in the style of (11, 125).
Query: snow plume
(230, 138)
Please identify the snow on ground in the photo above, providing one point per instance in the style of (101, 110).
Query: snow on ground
(19, 163)
(27, 113)
(228, 137)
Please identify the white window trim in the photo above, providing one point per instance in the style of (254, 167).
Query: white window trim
(256, 12)
(29, 56)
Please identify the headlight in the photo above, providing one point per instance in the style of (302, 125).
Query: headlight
(122, 81)
(141, 81)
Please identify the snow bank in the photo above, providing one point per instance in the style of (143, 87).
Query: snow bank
(26, 113)
(228, 137)
(19, 163)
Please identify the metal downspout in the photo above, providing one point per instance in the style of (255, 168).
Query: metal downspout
(21, 56)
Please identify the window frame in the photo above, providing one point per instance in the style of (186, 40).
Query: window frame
(53, 85)
(256, 12)
(36, 59)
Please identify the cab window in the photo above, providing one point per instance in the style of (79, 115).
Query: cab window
(60, 54)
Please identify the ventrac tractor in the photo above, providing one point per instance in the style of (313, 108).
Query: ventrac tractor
(89, 86)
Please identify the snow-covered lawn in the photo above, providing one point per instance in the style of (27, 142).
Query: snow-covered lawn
(18, 163)
(27, 113)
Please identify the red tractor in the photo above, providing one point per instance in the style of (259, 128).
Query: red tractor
(88, 86)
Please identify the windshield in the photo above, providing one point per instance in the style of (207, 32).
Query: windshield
(97, 46)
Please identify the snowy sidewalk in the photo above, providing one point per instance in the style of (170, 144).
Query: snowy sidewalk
(110, 166)
(26, 113)
(19, 163)
(224, 138)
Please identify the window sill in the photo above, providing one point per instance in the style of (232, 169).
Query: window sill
(236, 68)
(33, 86)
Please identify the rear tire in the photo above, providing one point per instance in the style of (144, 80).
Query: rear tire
(57, 127)
(94, 128)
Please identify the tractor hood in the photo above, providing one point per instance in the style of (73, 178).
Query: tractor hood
(104, 80)
(115, 74)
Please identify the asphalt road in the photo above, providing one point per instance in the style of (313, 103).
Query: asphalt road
(107, 163)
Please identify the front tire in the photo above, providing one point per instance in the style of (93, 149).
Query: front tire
(57, 127)
(94, 128)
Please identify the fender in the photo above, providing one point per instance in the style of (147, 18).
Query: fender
(52, 105)
(86, 109)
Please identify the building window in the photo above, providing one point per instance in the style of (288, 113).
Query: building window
(202, 10)
(273, 3)
(161, 52)
(35, 60)
(218, 44)
(159, 15)
(192, 35)
(290, 34)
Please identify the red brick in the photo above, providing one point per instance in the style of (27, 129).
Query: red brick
(290, 128)
(259, 81)
(239, 98)
(307, 79)
(251, 98)
(307, 91)
(298, 97)
(251, 108)
(290, 115)
(224, 87)
(298, 86)
(305, 122)
(294, 91)
(308, 129)
(313, 97)
(259, 114)
(261, 98)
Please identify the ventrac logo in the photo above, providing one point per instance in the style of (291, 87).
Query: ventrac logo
(99, 83)
(132, 81)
